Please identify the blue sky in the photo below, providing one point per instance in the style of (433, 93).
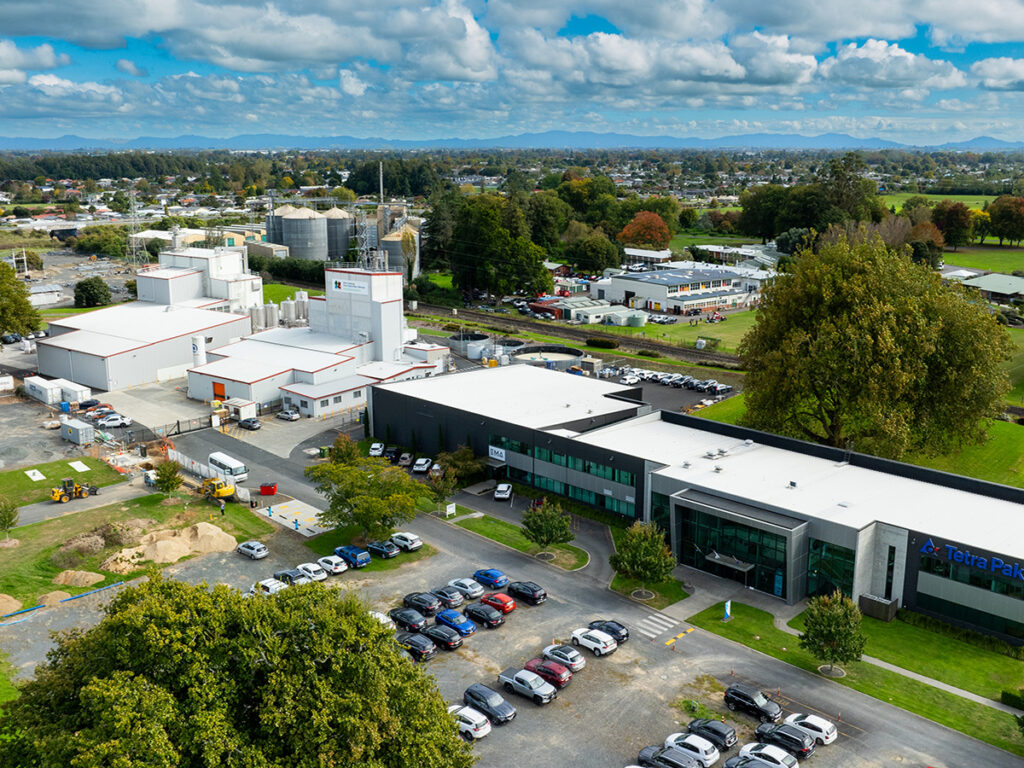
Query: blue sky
(917, 71)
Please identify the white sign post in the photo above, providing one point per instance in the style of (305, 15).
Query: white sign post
(449, 511)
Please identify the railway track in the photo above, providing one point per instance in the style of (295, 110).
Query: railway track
(510, 325)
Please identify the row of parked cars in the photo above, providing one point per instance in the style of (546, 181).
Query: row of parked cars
(103, 414)
(395, 455)
(778, 745)
(17, 338)
(540, 679)
(632, 376)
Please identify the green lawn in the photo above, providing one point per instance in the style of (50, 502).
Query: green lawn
(665, 592)
(989, 257)
(971, 201)
(28, 570)
(566, 555)
(685, 239)
(325, 543)
(952, 661)
(730, 331)
(278, 292)
(728, 411)
(753, 628)
(441, 280)
(19, 488)
(1015, 368)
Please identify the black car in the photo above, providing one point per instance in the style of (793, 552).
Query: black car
(490, 703)
(292, 576)
(749, 699)
(791, 739)
(419, 647)
(680, 383)
(424, 602)
(444, 637)
(527, 591)
(613, 628)
(408, 619)
(382, 549)
(449, 597)
(721, 735)
(391, 453)
(484, 614)
(11, 338)
(665, 757)
(88, 404)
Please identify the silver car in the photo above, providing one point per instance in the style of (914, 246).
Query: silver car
(254, 550)
(469, 588)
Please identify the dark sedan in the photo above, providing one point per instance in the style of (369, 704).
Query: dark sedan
(718, 733)
(408, 619)
(444, 637)
(424, 602)
(421, 648)
(788, 737)
(490, 703)
(484, 615)
(613, 628)
(527, 591)
(449, 597)
(382, 549)
(665, 757)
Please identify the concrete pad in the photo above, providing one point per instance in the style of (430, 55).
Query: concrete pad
(156, 405)
(295, 515)
(281, 437)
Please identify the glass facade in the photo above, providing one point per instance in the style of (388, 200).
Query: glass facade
(661, 512)
(702, 535)
(971, 616)
(976, 577)
(829, 567)
(599, 500)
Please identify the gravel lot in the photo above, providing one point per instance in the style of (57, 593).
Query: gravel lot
(23, 441)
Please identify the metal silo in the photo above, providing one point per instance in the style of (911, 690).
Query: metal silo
(304, 231)
(270, 315)
(339, 233)
(274, 223)
(288, 312)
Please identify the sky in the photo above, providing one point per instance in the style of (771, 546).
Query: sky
(915, 71)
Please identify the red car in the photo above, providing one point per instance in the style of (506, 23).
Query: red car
(503, 603)
(551, 671)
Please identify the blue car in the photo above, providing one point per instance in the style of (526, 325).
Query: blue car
(455, 620)
(491, 577)
(354, 556)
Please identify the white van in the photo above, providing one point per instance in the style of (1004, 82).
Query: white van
(228, 468)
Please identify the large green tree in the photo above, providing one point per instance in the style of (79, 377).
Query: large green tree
(547, 524)
(643, 555)
(92, 292)
(860, 348)
(548, 216)
(1006, 214)
(17, 315)
(592, 253)
(954, 220)
(370, 494)
(8, 516)
(761, 206)
(832, 629)
(187, 675)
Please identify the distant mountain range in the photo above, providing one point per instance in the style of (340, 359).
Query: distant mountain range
(546, 140)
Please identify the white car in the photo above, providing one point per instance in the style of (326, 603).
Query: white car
(697, 747)
(377, 449)
(332, 564)
(472, 724)
(629, 380)
(313, 571)
(595, 640)
(422, 466)
(769, 755)
(503, 492)
(266, 587)
(818, 728)
(383, 619)
(289, 415)
(114, 420)
(407, 541)
(469, 588)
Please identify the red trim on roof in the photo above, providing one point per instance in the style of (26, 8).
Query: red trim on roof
(328, 394)
(359, 272)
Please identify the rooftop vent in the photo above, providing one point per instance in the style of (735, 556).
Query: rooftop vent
(686, 465)
(844, 503)
(748, 442)
(722, 451)
(792, 483)
(709, 455)
(718, 467)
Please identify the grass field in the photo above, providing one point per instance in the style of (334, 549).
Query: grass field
(753, 628)
(731, 331)
(566, 555)
(990, 257)
(728, 411)
(1015, 368)
(971, 201)
(952, 661)
(685, 239)
(29, 570)
(278, 292)
(22, 490)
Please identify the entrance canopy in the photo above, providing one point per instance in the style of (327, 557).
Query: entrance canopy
(728, 561)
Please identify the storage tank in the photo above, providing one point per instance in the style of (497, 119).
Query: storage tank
(198, 350)
(470, 345)
(288, 312)
(339, 233)
(554, 356)
(271, 315)
(637, 321)
(274, 223)
(302, 305)
(304, 231)
(257, 314)
(507, 346)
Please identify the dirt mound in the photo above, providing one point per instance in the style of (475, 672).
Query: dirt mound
(51, 599)
(8, 605)
(77, 578)
(169, 546)
(83, 544)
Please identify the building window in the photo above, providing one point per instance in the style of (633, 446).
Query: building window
(829, 567)
(971, 616)
(975, 577)
(337, 399)
(325, 403)
(303, 404)
(357, 394)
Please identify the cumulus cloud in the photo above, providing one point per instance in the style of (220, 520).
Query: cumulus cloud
(351, 84)
(880, 64)
(130, 68)
(1000, 74)
(41, 57)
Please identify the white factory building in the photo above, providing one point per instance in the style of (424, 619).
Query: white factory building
(678, 290)
(356, 337)
(193, 292)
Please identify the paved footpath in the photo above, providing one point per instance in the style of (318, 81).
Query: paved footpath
(109, 494)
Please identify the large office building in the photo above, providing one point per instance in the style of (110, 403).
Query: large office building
(784, 517)
(678, 290)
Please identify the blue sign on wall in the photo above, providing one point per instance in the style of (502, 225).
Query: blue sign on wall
(954, 554)
(778, 583)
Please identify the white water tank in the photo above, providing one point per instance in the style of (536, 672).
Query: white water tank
(257, 314)
(301, 305)
(288, 312)
(272, 315)
(198, 350)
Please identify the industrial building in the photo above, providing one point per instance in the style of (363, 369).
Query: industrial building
(209, 278)
(356, 337)
(647, 256)
(678, 290)
(777, 515)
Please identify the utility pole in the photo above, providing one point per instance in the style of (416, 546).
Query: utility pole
(133, 230)
(380, 166)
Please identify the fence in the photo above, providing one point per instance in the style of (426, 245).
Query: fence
(140, 434)
(194, 467)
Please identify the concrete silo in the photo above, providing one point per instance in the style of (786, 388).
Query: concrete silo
(274, 223)
(304, 231)
(392, 245)
(340, 224)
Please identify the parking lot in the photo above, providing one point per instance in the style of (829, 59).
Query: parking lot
(23, 440)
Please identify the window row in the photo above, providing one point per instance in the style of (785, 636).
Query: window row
(976, 577)
(621, 476)
(599, 500)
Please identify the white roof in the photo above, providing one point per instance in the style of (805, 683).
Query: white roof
(645, 253)
(825, 489)
(305, 338)
(383, 370)
(521, 394)
(328, 388)
(165, 234)
(291, 357)
(242, 369)
(168, 273)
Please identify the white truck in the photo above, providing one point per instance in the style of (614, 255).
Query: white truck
(528, 684)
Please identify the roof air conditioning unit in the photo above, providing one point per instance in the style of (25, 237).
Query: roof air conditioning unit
(792, 483)
(722, 451)
(709, 455)
(718, 467)
(748, 442)
(686, 465)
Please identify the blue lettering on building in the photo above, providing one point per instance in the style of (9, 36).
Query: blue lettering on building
(957, 555)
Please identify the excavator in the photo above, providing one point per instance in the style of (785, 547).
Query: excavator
(69, 489)
(216, 488)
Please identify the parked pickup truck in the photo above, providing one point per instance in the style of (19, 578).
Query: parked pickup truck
(528, 684)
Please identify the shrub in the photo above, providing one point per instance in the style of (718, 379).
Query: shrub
(977, 639)
(602, 343)
(1013, 699)
(648, 353)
